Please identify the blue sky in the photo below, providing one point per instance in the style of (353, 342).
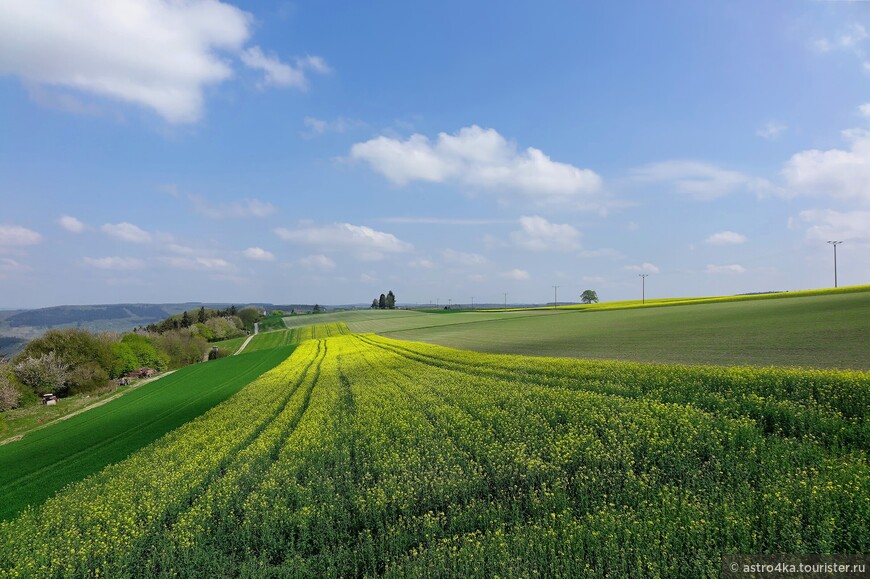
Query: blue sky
(162, 151)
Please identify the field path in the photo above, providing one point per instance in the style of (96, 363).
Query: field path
(248, 340)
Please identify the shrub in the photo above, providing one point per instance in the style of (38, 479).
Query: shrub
(10, 397)
(43, 373)
(87, 377)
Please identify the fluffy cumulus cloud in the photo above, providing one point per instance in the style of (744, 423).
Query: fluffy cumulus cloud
(17, 236)
(699, 180)
(160, 54)
(114, 263)
(733, 268)
(515, 274)
(475, 157)
(258, 254)
(843, 174)
(538, 234)
(363, 241)
(126, 232)
(827, 224)
(71, 224)
(320, 262)
(157, 54)
(643, 268)
(278, 73)
(726, 238)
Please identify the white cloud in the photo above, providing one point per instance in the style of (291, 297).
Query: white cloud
(515, 274)
(643, 268)
(258, 254)
(318, 262)
(771, 130)
(733, 268)
(838, 173)
(726, 238)
(461, 258)
(278, 73)
(850, 40)
(198, 263)
(442, 221)
(366, 242)
(160, 54)
(475, 157)
(71, 224)
(318, 127)
(538, 234)
(603, 252)
(15, 235)
(827, 224)
(9, 265)
(699, 180)
(241, 209)
(422, 263)
(127, 232)
(367, 279)
(864, 110)
(114, 262)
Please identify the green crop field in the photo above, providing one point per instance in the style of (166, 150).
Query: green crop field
(44, 461)
(297, 335)
(820, 331)
(230, 346)
(365, 456)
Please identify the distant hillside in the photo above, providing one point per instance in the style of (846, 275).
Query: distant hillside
(17, 327)
(82, 315)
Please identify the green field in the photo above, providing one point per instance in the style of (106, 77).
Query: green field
(229, 346)
(297, 335)
(826, 331)
(365, 456)
(819, 330)
(46, 460)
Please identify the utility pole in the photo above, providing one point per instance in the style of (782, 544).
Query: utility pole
(505, 300)
(472, 302)
(555, 301)
(449, 302)
(643, 277)
(835, 244)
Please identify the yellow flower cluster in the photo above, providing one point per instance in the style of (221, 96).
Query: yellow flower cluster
(365, 456)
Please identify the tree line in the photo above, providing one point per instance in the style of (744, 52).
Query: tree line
(385, 302)
(74, 361)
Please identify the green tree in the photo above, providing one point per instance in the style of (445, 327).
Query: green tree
(249, 317)
(390, 302)
(589, 297)
(316, 310)
(382, 302)
(200, 316)
(185, 320)
(375, 304)
(146, 352)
